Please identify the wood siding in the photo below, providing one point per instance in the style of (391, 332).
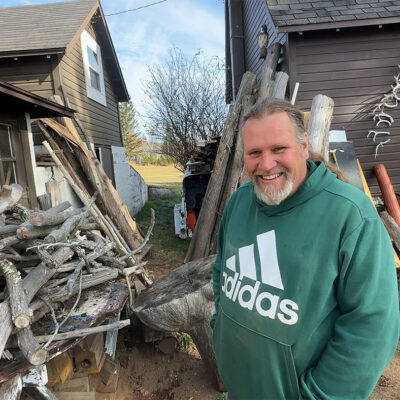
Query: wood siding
(29, 73)
(100, 122)
(255, 14)
(355, 67)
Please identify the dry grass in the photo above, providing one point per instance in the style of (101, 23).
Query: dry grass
(158, 173)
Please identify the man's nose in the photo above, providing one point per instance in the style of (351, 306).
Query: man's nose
(267, 162)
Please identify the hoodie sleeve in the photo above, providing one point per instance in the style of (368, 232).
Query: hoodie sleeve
(366, 332)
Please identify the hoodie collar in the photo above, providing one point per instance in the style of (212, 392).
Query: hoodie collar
(319, 178)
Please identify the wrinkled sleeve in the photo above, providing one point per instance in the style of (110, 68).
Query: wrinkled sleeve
(366, 332)
(217, 271)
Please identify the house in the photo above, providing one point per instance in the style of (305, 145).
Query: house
(65, 49)
(347, 50)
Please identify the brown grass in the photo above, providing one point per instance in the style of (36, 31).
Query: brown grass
(158, 173)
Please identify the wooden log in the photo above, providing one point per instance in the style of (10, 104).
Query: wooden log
(200, 243)
(31, 284)
(234, 173)
(62, 233)
(25, 232)
(8, 241)
(267, 83)
(392, 228)
(11, 389)
(8, 229)
(40, 219)
(182, 301)
(19, 308)
(10, 195)
(280, 85)
(76, 333)
(319, 124)
(30, 348)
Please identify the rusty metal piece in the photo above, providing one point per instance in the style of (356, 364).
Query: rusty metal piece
(389, 196)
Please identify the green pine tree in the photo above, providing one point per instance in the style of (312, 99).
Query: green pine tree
(129, 127)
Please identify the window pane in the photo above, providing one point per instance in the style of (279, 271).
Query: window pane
(94, 79)
(93, 60)
(5, 144)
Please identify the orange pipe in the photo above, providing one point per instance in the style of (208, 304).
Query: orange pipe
(389, 197)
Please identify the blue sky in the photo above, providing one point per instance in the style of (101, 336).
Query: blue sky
(143, 37)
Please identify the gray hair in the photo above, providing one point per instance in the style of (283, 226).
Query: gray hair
(272, 106)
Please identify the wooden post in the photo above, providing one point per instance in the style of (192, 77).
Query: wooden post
(235, 172)
(319, 124)
(200, 243)
(280, 85)
(392, 228)
(267, 83)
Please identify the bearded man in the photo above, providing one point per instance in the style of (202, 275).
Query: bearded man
(304, 280)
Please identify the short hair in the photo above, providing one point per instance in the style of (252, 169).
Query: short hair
(272, 106)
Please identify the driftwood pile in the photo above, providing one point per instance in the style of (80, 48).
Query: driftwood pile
(46, 258)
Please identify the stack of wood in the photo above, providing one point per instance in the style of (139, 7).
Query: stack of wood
(202, 160)
(51, 258)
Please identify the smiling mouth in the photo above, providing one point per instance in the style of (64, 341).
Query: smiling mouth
(270, 177)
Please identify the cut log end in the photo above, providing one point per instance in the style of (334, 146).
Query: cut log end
(38, 357)
(22, 321)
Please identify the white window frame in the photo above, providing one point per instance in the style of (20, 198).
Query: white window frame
(93, 93)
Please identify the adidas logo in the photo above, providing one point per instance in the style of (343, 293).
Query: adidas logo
(248, 296)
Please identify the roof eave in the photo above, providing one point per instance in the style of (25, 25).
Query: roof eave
(33, 52)
(338, 24)
(34, 99)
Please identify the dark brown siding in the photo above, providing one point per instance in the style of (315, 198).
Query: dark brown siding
(100, 122)
(354, 67)
(29, 73)
(255, 14)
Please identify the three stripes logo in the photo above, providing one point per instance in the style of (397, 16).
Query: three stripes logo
(248, 296)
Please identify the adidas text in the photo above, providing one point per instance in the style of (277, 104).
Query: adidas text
(265, 303)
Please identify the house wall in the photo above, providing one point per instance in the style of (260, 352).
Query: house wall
(354, 67)
(255, 14)
(100, 122)
(128, 182)
(29, 73)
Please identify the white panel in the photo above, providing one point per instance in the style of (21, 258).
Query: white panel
(270, 273)
(231, 263)
(247, 263)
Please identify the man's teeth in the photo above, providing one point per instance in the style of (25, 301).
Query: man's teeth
(269, 177)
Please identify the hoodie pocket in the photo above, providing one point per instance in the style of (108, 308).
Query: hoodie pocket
(253, 366)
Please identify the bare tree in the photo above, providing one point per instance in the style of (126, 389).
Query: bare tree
(186, 103)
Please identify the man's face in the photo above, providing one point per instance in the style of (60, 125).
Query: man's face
(273, 159)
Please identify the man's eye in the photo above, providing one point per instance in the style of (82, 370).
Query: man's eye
(254, 153)
(279, 149)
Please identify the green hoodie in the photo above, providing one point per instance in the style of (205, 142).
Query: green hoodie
(305, 294)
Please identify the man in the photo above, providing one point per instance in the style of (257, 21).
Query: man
(304, 280)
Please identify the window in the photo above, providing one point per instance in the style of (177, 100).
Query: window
(7, 159)
(93, 68)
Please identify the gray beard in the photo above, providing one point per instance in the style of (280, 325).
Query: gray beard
(273, 198)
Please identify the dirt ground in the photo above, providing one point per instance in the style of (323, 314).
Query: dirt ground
(147, 374)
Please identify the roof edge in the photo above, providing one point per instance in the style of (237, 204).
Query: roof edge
(37, 52)
(32, 98)
(338, 24)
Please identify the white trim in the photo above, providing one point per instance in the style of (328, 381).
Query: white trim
(93, 93)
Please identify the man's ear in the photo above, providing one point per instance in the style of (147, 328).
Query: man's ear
(304, 147)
